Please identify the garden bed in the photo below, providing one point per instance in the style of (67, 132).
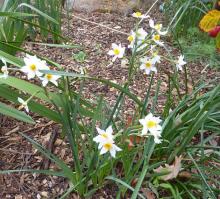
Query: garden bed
(17, 153)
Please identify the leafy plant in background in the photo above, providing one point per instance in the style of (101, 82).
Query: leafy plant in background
(80, 56)
(145, 142)
(198, 47)
(23, 19)
(20, 20)
(180, 11)
(210, 23)
(186, 34)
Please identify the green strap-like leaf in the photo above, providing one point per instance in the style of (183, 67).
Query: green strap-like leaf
(16, 14)
(35, 107)
(39, 12)
(11, 112)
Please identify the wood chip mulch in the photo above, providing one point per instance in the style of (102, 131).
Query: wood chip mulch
(17, 153)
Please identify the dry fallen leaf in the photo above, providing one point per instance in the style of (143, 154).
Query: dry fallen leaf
(173, 169)
(148, 193)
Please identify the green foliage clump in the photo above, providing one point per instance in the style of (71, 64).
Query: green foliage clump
(199, 47)
(26, 19)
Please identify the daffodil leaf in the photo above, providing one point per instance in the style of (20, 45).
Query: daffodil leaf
(16, 14)
(11, 112)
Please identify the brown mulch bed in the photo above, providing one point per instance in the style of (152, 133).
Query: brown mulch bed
(17, 153)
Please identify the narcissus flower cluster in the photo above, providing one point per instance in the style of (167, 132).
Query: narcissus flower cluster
(151, 126)
(105, 141)
(33, 67)
(147, 44)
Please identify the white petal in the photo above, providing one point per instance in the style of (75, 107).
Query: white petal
(149, 116)
(26, 108)
(114, 45)
(112, 152)
(179, 67)
(109, 130)
(111, 52)
(103, 150)
(117, 148)
(122, 51)
(97, 139)
(20, 100)
(163, 33)
(154, 131)
(144, 59)
(100, 131)
(154, 69)
(56, 77)
(39, 74)
(144, 131)
(151, 23)
(54, 82)
(24, 69)
(142, 67)
(157, 140)
(114, 58)
(147, 71)
(100, 145)
(44, 82)
(30, 75)
(142, 121)
(4, 61)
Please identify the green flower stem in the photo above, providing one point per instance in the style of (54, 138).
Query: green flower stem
(147, 95)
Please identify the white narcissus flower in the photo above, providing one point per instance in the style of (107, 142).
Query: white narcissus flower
(180, 63)
(117, 51)
(103, 135)
(141, 46)
(23, 104)
(147, 65)
(157, 27)
(49, 78)
(156, 39)
(33, 65)
(4, 69)
(151, 126)
(141, 34)
(131, 39)
(139, 15)
(155, 58)
(109, 146)
(106, 143)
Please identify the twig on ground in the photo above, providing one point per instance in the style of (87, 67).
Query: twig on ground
(50, 145)
(100, 25)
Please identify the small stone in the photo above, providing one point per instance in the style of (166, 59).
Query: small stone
(44, 194)
(18, 197)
